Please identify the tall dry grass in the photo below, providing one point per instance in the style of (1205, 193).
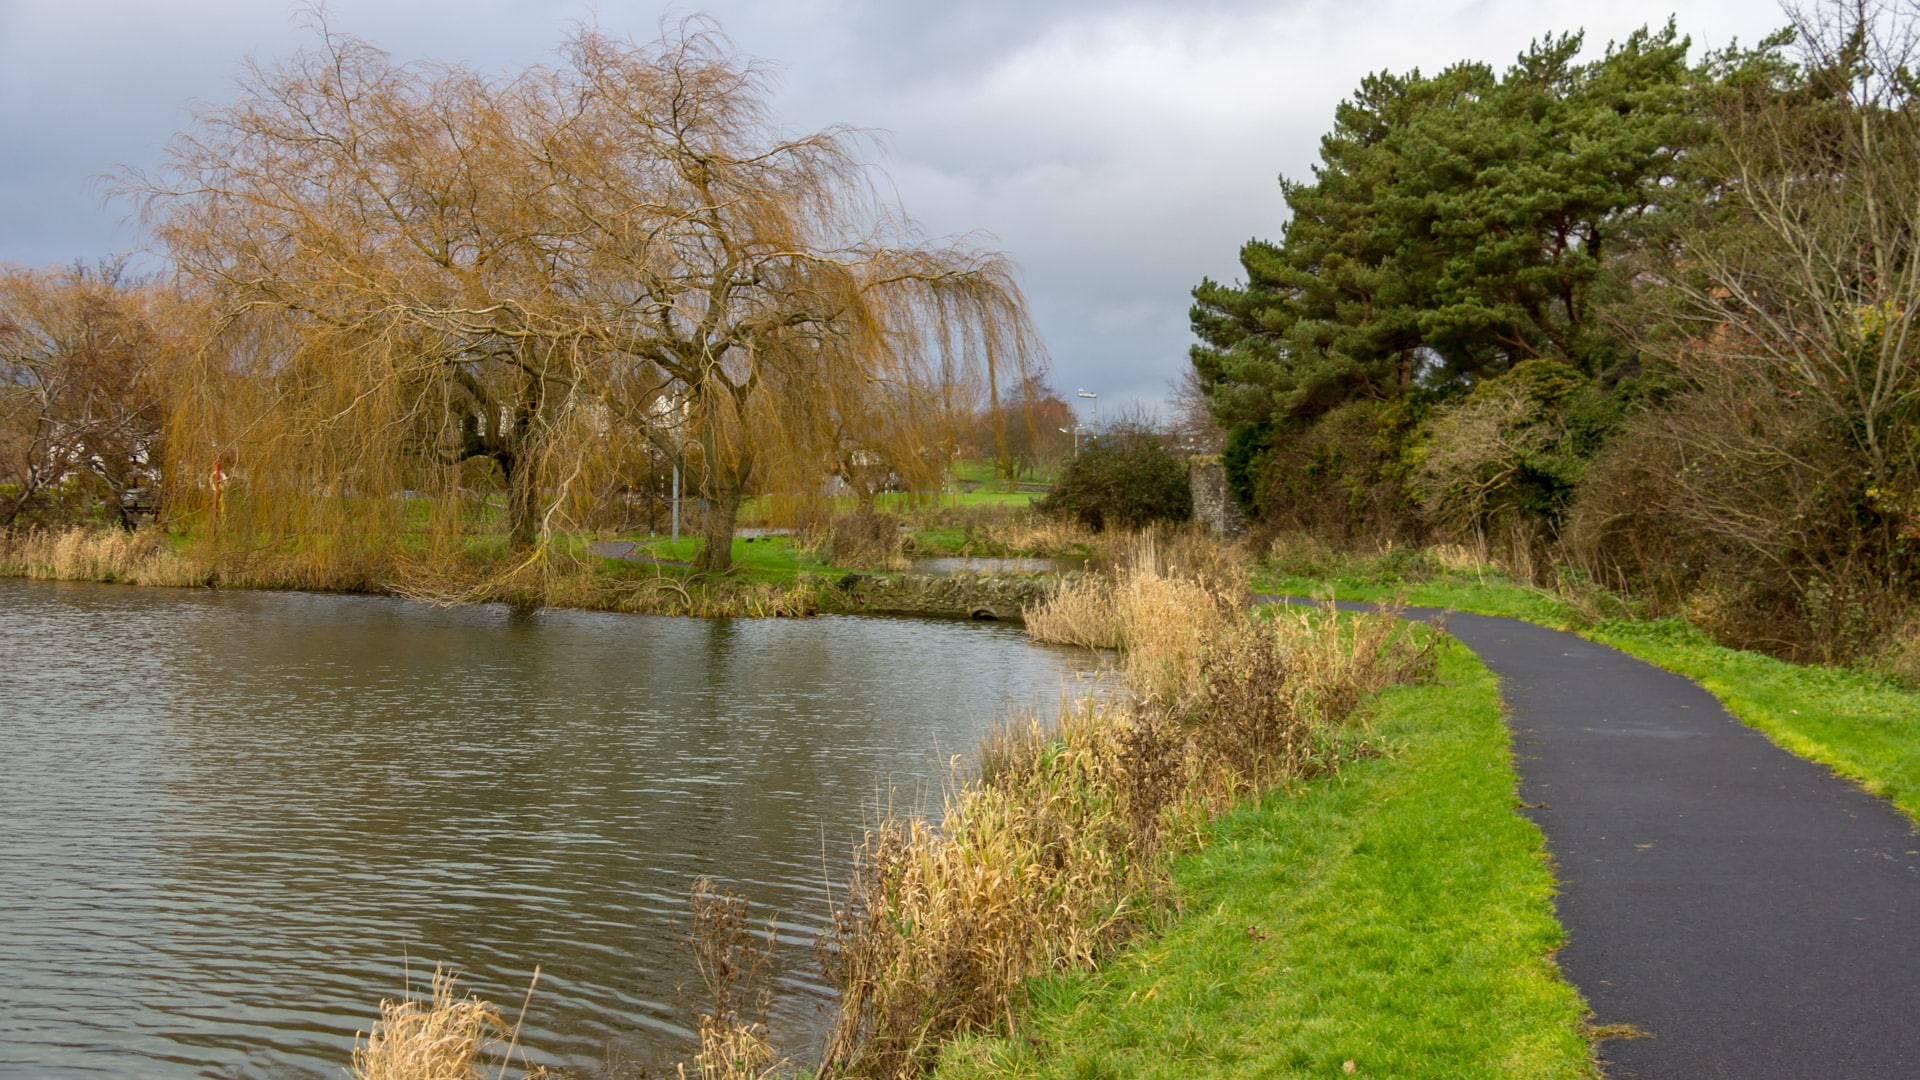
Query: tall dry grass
(1055, 852)
(1170, 595)
(1013, 530)
(444, 1037)
(863, 539)
(98, 554)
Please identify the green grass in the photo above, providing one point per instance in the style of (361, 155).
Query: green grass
(770, 558)
(981, 471)
(1398, 916)
(902, 501)
(1861, 725)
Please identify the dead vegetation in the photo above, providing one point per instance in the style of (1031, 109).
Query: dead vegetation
(82, 554)
(444, 1037)
(1052, 856)
(732, 962)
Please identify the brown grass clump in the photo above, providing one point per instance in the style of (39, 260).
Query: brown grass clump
(1039, 535)
(1030, 870)
(1014, 530)
(98, 554)
(1167, 600)
(1082, 612)
(862, 539)
(443, 1038)
(1055, 853)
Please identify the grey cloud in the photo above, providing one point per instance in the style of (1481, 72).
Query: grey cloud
(1118, 152)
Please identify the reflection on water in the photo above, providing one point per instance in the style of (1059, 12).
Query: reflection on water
(233, 820)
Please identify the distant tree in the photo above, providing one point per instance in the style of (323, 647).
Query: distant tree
(1125, 476)
(79, 411)
(1029, 428)
(1194, 428)
(530, 273)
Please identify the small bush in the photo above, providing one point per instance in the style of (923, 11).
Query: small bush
(1342, 476)
(864, 539)
(1125, 478)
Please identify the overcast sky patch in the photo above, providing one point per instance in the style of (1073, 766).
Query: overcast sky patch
(1118, 152)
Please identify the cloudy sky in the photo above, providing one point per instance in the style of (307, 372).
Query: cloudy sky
(1117, 151)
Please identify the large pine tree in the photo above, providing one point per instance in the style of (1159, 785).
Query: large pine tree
(1456, 225)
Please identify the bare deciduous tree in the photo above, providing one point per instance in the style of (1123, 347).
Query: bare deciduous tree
(1808, 276)
(1785, 468)
(79, 417)
(536, 272)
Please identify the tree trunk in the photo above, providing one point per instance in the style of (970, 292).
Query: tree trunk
(716, 530)
(523, 505)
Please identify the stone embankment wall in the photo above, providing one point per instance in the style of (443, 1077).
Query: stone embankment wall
(962, 596)
(1213, 503)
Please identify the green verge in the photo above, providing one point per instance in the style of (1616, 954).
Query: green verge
(769, 559)
(1862, 725)
(1398, 915)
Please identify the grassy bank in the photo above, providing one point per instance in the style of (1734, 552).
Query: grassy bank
(1057, 847)
(1863, 724)
(779, 575)
(1397, 916)
(1060, 850)
(768, 583)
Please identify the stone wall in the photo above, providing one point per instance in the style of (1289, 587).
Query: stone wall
(962, 596)
(1213, 503)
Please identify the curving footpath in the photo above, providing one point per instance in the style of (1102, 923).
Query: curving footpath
(1753, 915)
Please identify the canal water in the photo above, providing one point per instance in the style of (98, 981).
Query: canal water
(235, 821)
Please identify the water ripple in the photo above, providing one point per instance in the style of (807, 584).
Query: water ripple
(237, 820)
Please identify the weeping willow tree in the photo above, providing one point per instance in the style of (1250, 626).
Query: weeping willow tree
(441, 284)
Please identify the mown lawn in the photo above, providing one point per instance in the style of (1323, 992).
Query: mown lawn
(1398, 916)
(765, 558)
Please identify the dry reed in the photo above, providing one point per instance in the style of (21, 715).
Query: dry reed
(98, 554)
(1014, 530)
(1053, 854)
(1168, 598)
(442, 1038)
(861, 539)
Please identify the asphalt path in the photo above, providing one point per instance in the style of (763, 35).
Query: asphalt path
(1748, 913)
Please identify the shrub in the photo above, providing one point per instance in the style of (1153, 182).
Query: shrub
(1126, 477)
(1754, 514)
(1512, 452)
(1342, 476)
(863, 538)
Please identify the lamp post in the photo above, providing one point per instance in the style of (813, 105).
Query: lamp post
(1095, 398)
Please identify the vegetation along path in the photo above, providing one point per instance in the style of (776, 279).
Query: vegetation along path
(1746, 911)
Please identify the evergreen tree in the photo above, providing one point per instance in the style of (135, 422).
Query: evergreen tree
(1455, 226)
